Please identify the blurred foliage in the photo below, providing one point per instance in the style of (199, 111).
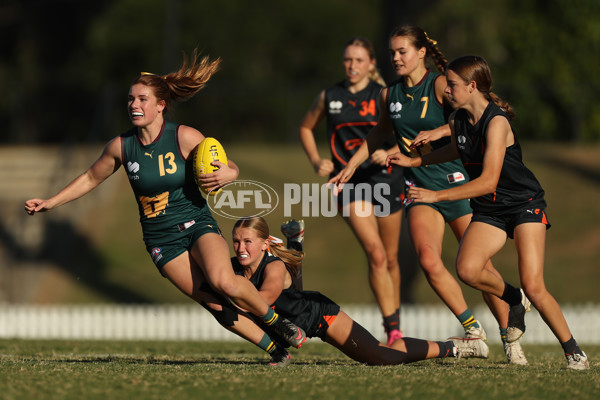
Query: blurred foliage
(65, 65)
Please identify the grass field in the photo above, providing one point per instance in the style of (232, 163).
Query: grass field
(186, 370)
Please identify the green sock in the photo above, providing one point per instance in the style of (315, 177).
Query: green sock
(270, 317)
(503, 334)
(467, 319)
(266, 344)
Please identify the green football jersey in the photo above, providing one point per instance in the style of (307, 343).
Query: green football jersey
(163, 183)
(415, 109)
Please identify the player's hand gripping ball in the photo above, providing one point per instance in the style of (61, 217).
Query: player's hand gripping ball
(208, 151)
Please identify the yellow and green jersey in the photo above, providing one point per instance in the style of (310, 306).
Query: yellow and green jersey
(415, 109)
(163, 183)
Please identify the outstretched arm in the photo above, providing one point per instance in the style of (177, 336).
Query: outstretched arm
(108, 162)
(499, 135)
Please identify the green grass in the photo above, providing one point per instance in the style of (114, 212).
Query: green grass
(212, 370)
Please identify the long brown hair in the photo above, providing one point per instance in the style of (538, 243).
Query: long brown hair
(374, 75)
(183, 84)
(476, 69)
(420, 39)
(290, 257)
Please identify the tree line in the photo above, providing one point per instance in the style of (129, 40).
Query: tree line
(66, 65)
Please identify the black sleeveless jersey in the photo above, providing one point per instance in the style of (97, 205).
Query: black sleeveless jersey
(302, 307)
(517, 189)
(350, 117)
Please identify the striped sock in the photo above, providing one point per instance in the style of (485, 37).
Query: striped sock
(270, 317)
(503, 334)
(467, 319)
(267, 344)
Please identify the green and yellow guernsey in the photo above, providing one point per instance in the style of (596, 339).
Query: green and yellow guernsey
(415, 109)
(163, 183)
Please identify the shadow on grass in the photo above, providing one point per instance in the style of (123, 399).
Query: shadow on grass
(144, 360)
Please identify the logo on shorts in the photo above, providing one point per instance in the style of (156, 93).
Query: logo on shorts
(155, 254)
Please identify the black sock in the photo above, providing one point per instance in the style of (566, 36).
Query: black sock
(446, 349)
(571, 347)
(392, 322)
(511, 295)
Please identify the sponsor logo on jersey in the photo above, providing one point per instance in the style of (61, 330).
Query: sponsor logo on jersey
(395, 108)
(132, 169)
(335, 106)
(455, 177)
(461, 140)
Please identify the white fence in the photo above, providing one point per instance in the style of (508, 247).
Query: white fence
(192, 322)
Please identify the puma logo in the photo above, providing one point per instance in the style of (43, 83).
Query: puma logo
(409, 96)
(149, 154)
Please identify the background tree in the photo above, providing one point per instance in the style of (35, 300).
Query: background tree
(65, 65)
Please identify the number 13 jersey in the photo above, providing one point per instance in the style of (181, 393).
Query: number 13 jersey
(165, 190)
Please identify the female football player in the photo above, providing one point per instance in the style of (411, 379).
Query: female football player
(272, 269)
(351, 109)
(506, 197)
(179, 231)
(414, 105)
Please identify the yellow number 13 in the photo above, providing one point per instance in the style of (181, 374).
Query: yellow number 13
(170, 159)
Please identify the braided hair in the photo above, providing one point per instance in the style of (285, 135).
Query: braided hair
(420, 39)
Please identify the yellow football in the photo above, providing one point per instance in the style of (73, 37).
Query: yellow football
(208, 151)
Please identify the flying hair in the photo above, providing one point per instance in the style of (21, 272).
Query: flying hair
(184, 83)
